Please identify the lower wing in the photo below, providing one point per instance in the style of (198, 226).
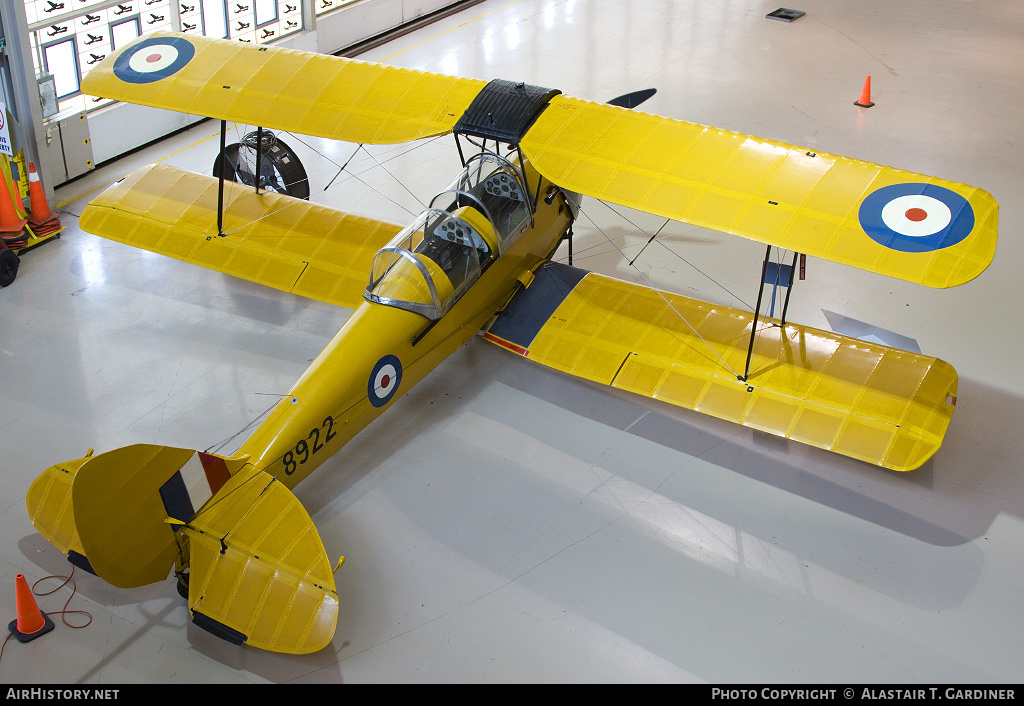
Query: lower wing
(871, 402)
(269, 238)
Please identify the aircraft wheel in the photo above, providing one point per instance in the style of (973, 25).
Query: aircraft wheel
(280, 168)
(182, 583)
(8, 267)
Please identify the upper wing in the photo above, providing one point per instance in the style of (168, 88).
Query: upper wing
(273, 239)
(897, 223)
(284, 89)
(868, 401)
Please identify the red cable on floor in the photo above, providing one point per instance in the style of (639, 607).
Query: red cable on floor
(65, 611)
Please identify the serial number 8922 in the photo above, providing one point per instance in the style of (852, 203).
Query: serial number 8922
(304, 449)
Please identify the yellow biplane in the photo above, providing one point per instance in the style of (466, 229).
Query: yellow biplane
(478, 258)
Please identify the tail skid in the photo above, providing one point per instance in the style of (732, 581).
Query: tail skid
(258, 570)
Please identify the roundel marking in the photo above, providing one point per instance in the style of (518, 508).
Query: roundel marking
(916, 217)
(153, 59)
(384, 380)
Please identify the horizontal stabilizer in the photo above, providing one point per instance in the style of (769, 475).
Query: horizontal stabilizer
(50, 508)
(259, 571)
(273, 239)
(865, 400)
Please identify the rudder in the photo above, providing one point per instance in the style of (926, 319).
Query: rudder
(123, 497)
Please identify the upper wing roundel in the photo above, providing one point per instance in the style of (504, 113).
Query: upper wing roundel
(840, 209)
(153, 59)
(916, 217)
(283, 89)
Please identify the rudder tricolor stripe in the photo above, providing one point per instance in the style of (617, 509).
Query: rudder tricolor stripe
(185, 493)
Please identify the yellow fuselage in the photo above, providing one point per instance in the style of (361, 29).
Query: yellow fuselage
(331, 402)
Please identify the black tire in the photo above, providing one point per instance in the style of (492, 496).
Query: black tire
(280, 168)
(182, 585)
(8, 267)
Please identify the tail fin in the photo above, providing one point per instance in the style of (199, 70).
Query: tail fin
(259, 573)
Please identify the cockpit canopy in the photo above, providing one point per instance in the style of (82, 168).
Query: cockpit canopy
(428, 266)
(498, 190)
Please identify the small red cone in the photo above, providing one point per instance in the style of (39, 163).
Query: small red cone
(9, 221)
(865, 94)
(31, 622)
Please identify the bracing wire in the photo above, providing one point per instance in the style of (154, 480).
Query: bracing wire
(215, 448)
(381, 193)
(660, 293)
(351, 175)
(711, 279)
(343, 166)
(399, 181)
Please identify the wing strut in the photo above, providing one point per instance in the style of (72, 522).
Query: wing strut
(223, 169)
(783, 278)
(220, 178)
(259, 155)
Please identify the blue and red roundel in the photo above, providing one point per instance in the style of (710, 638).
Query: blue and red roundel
(384, 380)
(916, 217)
(153, 59)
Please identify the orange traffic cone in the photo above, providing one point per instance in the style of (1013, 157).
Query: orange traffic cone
(31, 622)
(865, 95)
(9, 220)
(41, 219)
(40, 210)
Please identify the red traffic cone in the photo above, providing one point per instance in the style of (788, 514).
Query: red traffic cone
(865, 94)
(9, 220)
(31, 622)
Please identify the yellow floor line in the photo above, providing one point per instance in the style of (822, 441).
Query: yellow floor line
(451, 29)
(166, 156)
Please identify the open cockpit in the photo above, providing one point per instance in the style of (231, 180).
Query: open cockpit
(432, 262)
